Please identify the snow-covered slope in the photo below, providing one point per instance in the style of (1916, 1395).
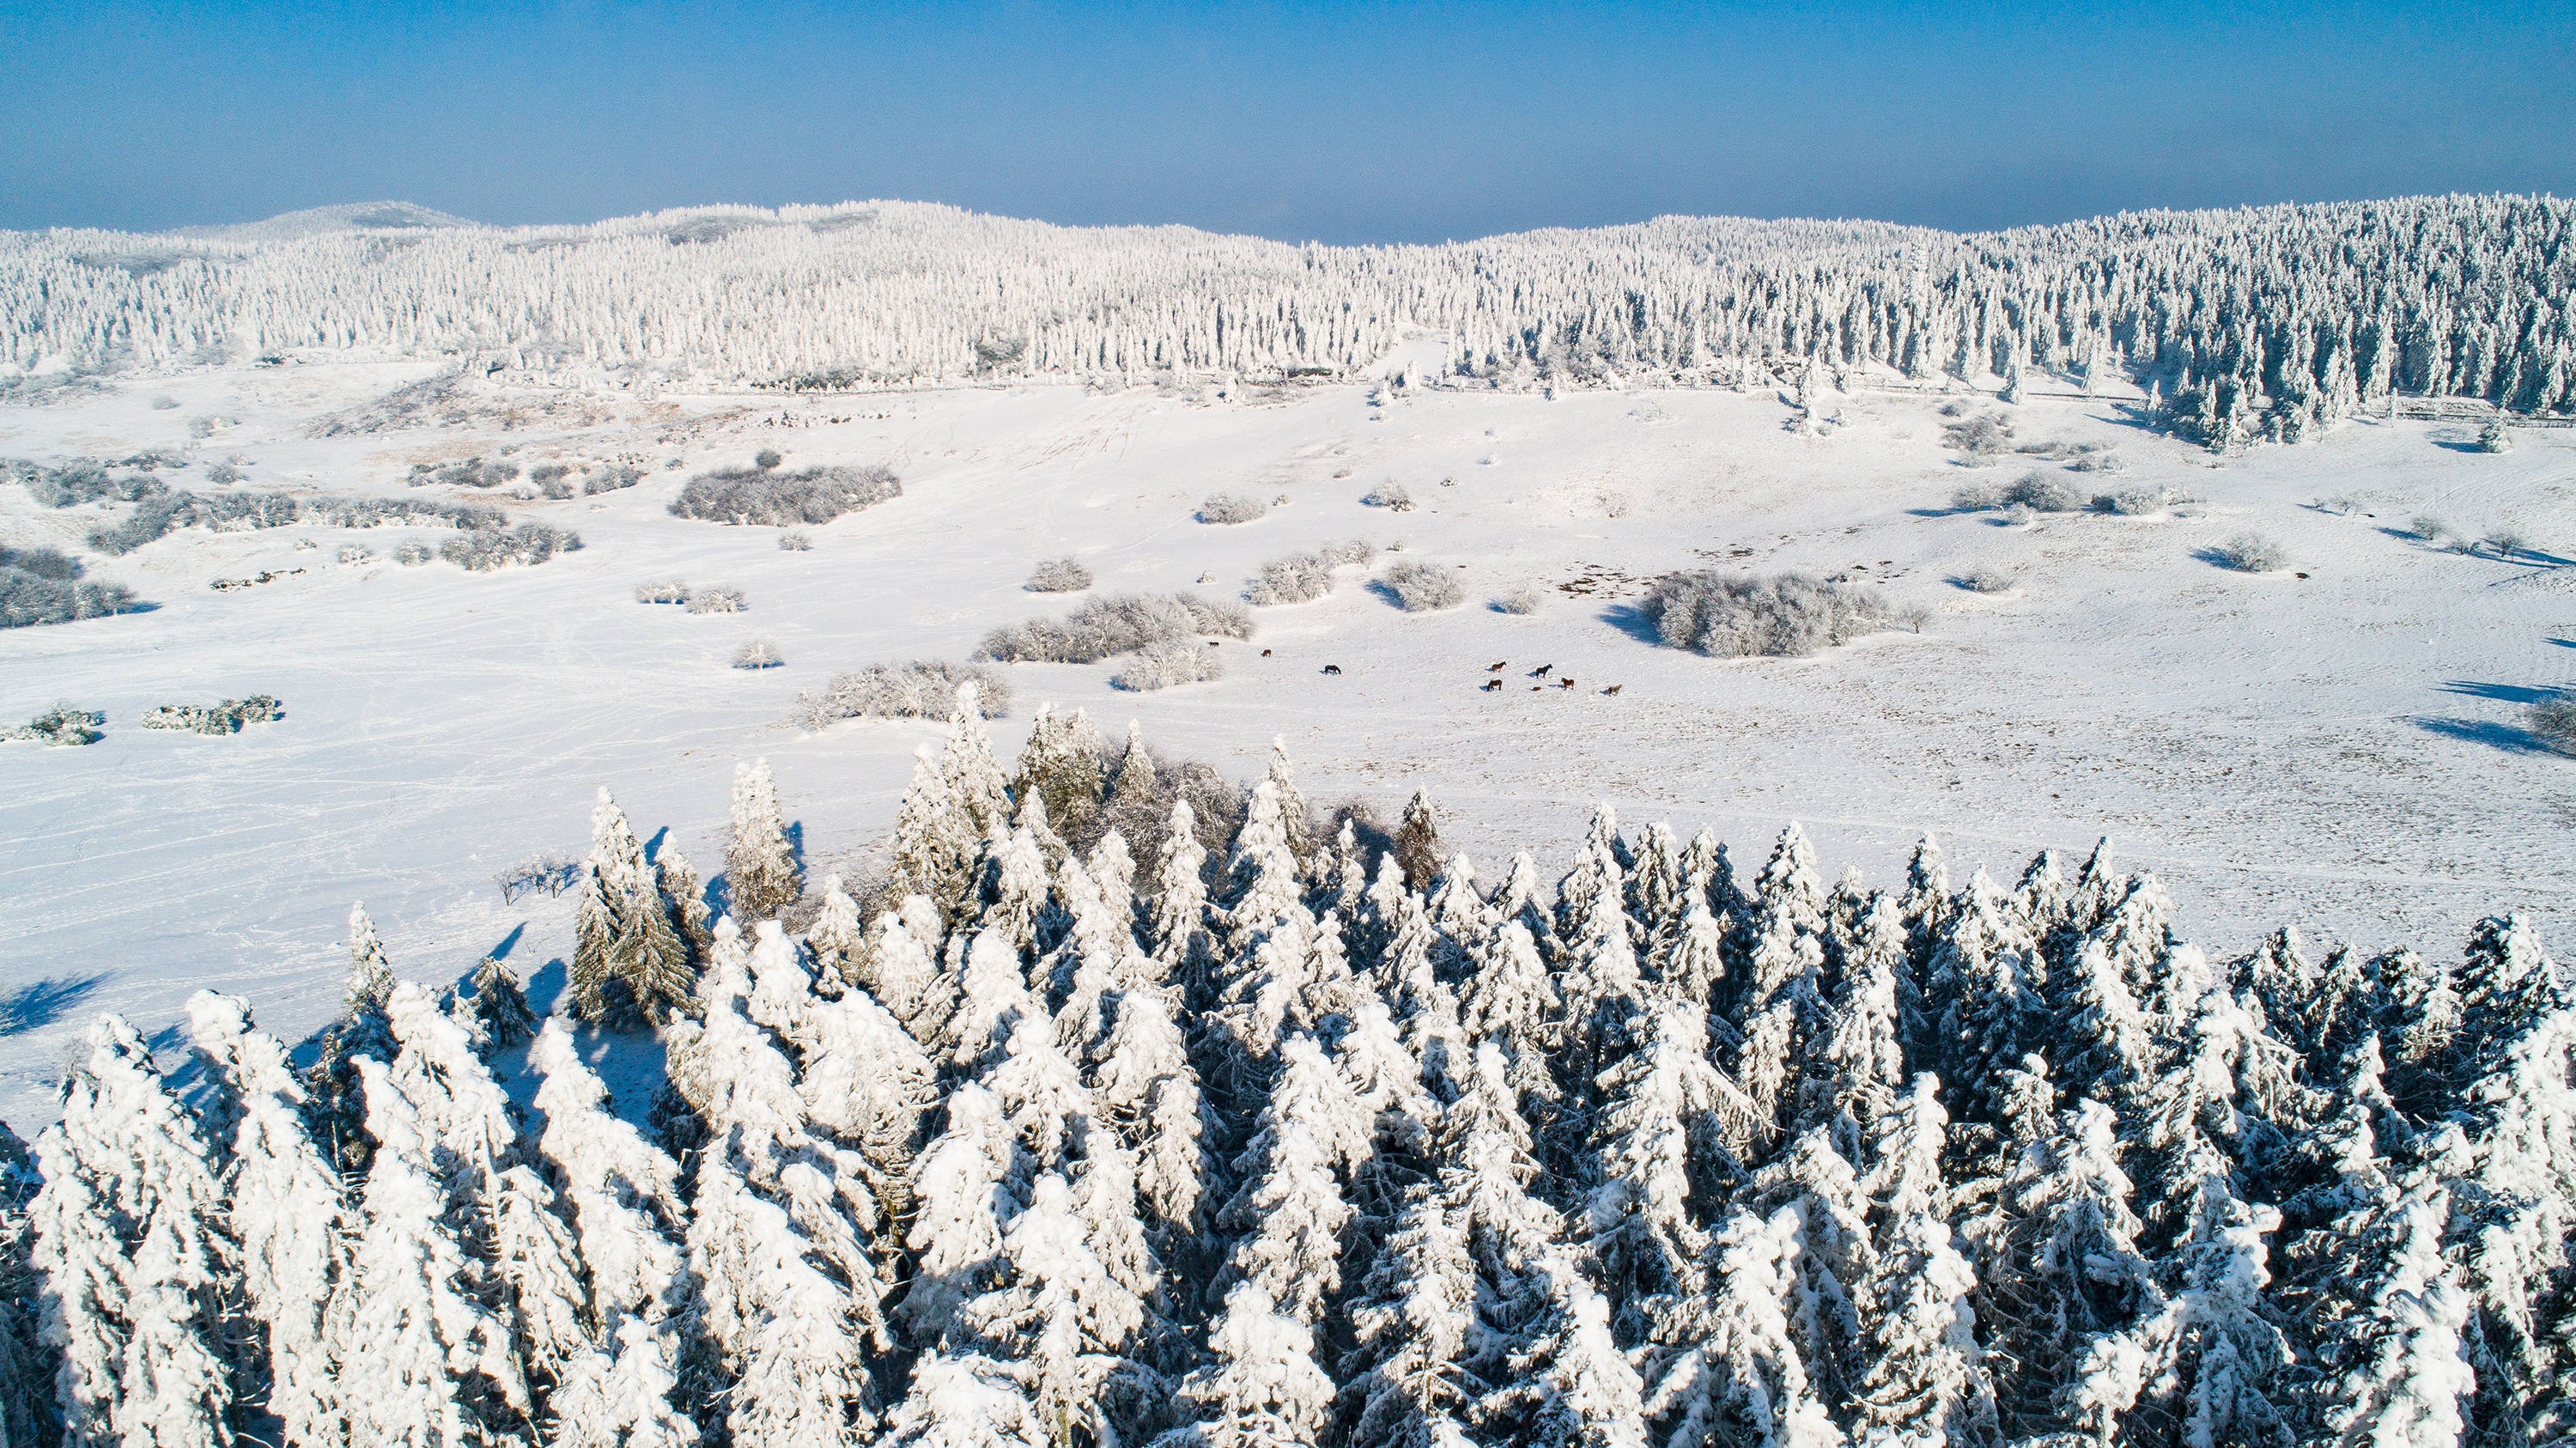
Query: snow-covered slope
(357, 216)
(2342, 750)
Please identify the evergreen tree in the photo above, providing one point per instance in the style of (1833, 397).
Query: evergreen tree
(496, 1017)
(965, 1400)
(1417, 843)
(336, 1108)
(284, 1208)
(127, 1235)
(1263, 1390)
(761, 879)
(840, 948)
(1062, 1320)
(967, 1186)
(1569, 1386)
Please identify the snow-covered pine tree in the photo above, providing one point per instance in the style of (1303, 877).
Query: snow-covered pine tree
(335, 1107)
(684, 899)
(128, 1236)
(1417, 843)
(1597, 975)
(623, 1190)
(1147, 1086)
(967, 1185)
(1740, 1378)
(1290, 1211)
(1060, 1318)
(1178, 916)
(935, 841)
(27, 1414)
(1412, 1322)
(865, 1081)
(790, 1330)
(1639, 1216)
(2404, 1367)
(967, 764)
(761, 878)
(1059, 768)
(965, 1400)
(292, 1229)
(1263, 1390)
(908, 979)
(994, 997)
(1569, 1385)
(496, 1017)
(1921, 1371)
(839, 945)
(426, 1363)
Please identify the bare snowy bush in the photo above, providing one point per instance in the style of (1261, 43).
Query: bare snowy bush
(2434, 530)
(52, 591)
(1390, 496)
(795, 540)
(615, 477)
(2554, 720)
(484, 549)
(1121, 623)
(2506, 540)
(921, 689)
(1787, 616)
(1521, 600)
(1418, 587)
(549, 874)
(413, 555)
(1985, 580)
(470, 473)
(765, 495)
(717, 599)
(225, 718)
(1232, 508)
(2134, 502)
(2100, 462)
(61, 724)
(2248, 553)
(1060, 575)
(663, 590)
(1176, 661)
(2046, 493)
(1976, 497)
(1979, 439)
(1305, 577)
(757, 654)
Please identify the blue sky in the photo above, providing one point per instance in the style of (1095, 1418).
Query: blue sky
(1346, 123)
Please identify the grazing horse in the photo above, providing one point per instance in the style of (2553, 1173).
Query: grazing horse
(1332, 668)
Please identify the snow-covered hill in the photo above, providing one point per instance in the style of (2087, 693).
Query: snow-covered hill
(2337, 744)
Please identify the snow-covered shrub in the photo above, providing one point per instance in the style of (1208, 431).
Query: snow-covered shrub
(481, 550)
(41, 585)
(550, 873)
(795, 540)
(757, 654)
(165, 403)
(2554, 720)
(2248, 553)
(1976, 497)
(1786, 616)
(2134, 502)
(2046, 493)
(552, 479)
(1418, 587)
(353, 553)
(470, 473)
(1985, 580)
(1232, 508)
(1175, 661)
(2505, 540)
(1521, 600)
(2435, 531)
(1121, 623)
(1979, 439)
(61, 724)
(225, 718)
(413, 555)
(157, 513)
(1390, 496)
(663, 590)
(83, 480)
(765, 495)
(1305, 577)
(921, 689)
(1059, 575)
(611, 478)
(2099, 462)
(717, 598)
(2494, 437)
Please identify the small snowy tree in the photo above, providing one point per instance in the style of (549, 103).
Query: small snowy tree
(1263, 1390)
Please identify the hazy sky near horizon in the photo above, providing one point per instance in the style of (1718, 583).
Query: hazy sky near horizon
(1337, 122)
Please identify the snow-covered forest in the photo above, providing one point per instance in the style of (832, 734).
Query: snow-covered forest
(2254, 322)
(1100, 1117)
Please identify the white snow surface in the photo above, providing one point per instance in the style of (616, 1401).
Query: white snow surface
(2341, 750)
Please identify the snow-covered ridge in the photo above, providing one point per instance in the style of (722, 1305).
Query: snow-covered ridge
(2299, 311)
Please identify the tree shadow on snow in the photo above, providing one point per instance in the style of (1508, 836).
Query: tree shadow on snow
(2512, 738)
(2503, 693)
(1631, 620)
(41, 1003)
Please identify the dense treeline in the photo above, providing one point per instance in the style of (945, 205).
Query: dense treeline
(1112, 1115)
(2252, 322)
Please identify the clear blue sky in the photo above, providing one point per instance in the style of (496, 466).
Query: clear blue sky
(1357, 122)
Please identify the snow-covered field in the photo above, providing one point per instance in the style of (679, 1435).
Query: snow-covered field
(2338, 744)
